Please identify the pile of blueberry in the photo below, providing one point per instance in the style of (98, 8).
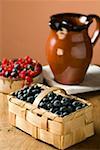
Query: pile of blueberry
(60, 105)
(28, 93)
(54, 103)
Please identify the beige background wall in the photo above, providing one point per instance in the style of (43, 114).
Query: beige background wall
(25, 25)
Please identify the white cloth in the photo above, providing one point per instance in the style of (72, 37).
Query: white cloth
(90, 83)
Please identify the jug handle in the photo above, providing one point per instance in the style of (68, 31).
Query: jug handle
(96, 33)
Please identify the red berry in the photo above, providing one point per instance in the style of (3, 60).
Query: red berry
(28, 79)
(28, 59)
(3, 65)
(28, 72)
(4, 61)
(20, 59)
(10, 68)
(0, 73)
(3, 72)
(11, 61)
(22, 74)
(33, 73)
(24, 65)
(5, 68)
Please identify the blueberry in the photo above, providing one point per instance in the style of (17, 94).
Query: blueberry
(63, 109)
(0, 69)
(21, 97)
(36, 95)
(56, 103)
(49, 105)
(78, 107)
(50, 98)
(52, 101)
(25, 96)
(28, 90)
(30, 99)
(38, 90)
(35, 91)
(41, 104)
(65, 113)
(13, 74)
(84, 105)
(29, 66)
(14, 70)
(24, 91)
(65, 101)
(70, 109)
(45, 106)
(59, 97)
(18, 96)
(53, 110)
(55, 97)
(16, 66)
(51, 94)
(58, 112)
(76, 103)
(7, 74)
(44, 99)
(20, 92)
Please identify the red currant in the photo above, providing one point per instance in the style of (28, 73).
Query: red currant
(4, 61)
(28, 59)
(28, 79)
(22, 74)
(33, 73)
(3, 72)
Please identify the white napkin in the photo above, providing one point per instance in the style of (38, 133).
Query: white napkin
(90, 83)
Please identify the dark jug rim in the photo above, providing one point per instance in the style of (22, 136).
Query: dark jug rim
(59, 20)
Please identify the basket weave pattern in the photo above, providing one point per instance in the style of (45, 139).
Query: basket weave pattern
(8, 85)
(61, 132)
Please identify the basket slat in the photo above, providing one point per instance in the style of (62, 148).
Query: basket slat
(66, 141)
(19, 111)
(89, 115)
(33, 119)
(26, 126)
(78, 135)
(89, 130)
(55, 127)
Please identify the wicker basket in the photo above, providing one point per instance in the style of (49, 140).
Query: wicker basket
(61, 132)
(8, 85)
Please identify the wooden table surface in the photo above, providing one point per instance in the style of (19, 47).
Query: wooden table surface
(12, 138)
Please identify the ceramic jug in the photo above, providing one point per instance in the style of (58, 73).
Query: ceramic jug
(69, 48)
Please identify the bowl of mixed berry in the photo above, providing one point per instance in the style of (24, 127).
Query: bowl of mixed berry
(15, 73)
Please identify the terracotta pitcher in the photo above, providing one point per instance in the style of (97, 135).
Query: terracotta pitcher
(69, 47)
